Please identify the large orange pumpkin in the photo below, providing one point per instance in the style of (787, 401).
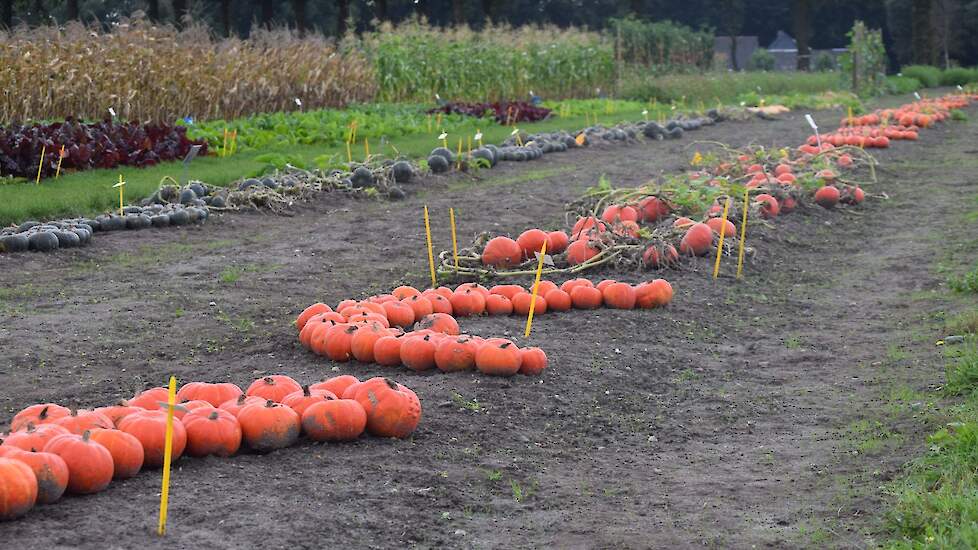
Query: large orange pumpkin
(532, 361)
(18, 489)
(498, 357)
(420, 305)
(502, 252)
(558, 300)
(440, 303)
(392, 409)
(34, 437)
(338, 342)
(127, 452)
(468, 302)
(387, 351)
(716, 224)
(334, 420)
(363, 340)
(268, 427)
(585, 297)
(652, 208)
(215, 394)
(619, 296)
(418, 352)
(827, 196)
(399, 314)
(37, 415)
(581, 251)
(335, 385)
(307, 313)
(497, 304)
(50, 471)
(455, 354)
(301, 400)
(557, 242)
(117, 412)
(234, 406)
(273, 387)
(212, 432)
(697, 241)
(507, 291)
(656, 256)
(439, 322)
(79, 421)
(531, 241)
(522, 301)
(149, 427)
(90, 466)
(150, 399)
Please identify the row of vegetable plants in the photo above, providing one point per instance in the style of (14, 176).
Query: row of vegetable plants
(51, 450)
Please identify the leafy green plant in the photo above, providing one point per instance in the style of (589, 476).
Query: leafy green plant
(967, 283)
(760, 60)
(663, 46)
(929, 76)
(825, 62)
(902, 84)
(958, 76)
(864, 63)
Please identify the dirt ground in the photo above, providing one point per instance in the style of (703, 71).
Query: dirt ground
(737, 417)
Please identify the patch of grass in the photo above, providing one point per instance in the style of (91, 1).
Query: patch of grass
(895, 353)
(230, 275)
(521, 493)
(469, 405)
(962, 369)
(792, 342)
(522, 177)
(967, 283)
(963, 323)
(686, 375)
(241, 325)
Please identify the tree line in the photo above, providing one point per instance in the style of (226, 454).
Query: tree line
(938, 32)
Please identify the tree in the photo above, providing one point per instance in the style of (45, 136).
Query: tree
(225, 15)
(922, 31)
(458, 12)
(342, 15)
(7, 13)
(179, 10)
(801, 15)
(267, 13)
(732, 12)
(72, 10)
(153, 10)
(380, 9)
(299, 8)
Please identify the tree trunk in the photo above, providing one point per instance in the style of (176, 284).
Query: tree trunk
(6, 13)
(267, 13)
(923, 37)
(299, 7)
(40, 12)
(226, 17)
(380, 9)
(733, 52)
(179, 10)
(342, 15)
(802, 23)
(489, 9)
(458, 12)
(72, 9)
(154, 10)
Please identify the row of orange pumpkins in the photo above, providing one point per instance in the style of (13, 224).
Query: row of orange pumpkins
(420, 330)
(51, 449)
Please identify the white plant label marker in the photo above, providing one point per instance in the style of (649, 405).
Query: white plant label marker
(811, 122)
(112, 112)
(298, 102)
(960, 89)
(915, 94)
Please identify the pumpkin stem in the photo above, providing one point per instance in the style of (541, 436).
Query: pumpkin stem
(391, 383)
(86, 436)
(305, 390)
(31, 427)
(269, 380)
(213, 415)
(44, 413)
(241, 399)
(269, 404)
(505, 345)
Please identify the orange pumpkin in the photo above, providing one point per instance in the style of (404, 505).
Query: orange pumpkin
(234, 406)
(363, 340)
(531, 241)
(50, 471)
(339, 343)
(498, 357)
(502, 252)
(212, 432)
(89, 464)
(569, 285)
(403, 292)
(604, 284)
(215, 394)
(827, 196)
(392, 410)
(387, 351)
(697, 241)
(507, 291)
(37, 415)
(652, 208)
(150, 399)
(439, 322)
(274, 387)
(79, 421)
(585, 226)
(182, 409)
(335, 385)
(468, 302)
(557, 242)
(522, 301)
(418, 353)
(581, 251)
(351, 391)
(127, 452)
(455, 354)
(586, 297)
(440, 304)
(399, 314)
(301, 400)
(653, 294)
(532, 361)
(268, 427)
(716, 224)
(420, 305)
(497, 304)
(18, 487)
(316, 326)
(115, 413)
(334, 420)
(619, 296)
(307, 313)
(558, 300)
(33, 437)
(656, 256)
(149, 427)
(769, 205)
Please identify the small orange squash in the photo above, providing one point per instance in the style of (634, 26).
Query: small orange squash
(212, 432)
(127, 452)
(392, 410)
(18, 486)
(89, 464)
(268, 427)
(334, 420)
(498, 357)
(274, 387)
(502, 252)
(532, 361)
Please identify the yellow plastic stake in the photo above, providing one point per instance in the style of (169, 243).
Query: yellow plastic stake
(429, 124)
(470, 145)
(224, 147)
(438, 120)
(349, 153)
(40, 163)
(723, 229)
(167, 454)
(431, 254)
(536, 287)
(122, 190)
(61, 156)
(234, 140)
(353, 136)
(366, 149)
(458, 164)
(451, 217)
(743, 234)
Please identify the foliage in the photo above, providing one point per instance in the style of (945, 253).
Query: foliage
(503, 112)
(929, 76)
(824, 100)
(864, 63)
(902, 84)
(723, 86)
(663, 46)
(824, 62)
(101, 145)
(415, 61)
(959, 76)
(967, 283)
(760, 60)
(157, 73)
